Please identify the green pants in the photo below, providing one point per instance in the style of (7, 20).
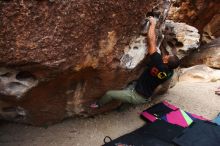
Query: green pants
(127, 95)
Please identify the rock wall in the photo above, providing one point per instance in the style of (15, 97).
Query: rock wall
(202, 14)
(208, 54)
(180, 39)
(199, 73)
(59, 56)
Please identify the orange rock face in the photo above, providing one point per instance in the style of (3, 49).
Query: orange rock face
(59, 56)
(198, 13)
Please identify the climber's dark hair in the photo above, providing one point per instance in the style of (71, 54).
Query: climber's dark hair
(173, 62)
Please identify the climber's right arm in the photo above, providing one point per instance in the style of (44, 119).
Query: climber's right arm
(151, 36)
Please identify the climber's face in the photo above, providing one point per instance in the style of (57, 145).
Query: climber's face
(165, 59)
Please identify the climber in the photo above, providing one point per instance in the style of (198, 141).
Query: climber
(158, 71)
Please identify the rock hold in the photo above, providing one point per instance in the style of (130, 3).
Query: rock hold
(134, 53)
(15, 83)
(182, 37)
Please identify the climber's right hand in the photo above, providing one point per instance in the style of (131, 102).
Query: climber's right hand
(152, 21)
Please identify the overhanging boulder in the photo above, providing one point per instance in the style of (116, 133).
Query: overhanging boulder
(69, 50)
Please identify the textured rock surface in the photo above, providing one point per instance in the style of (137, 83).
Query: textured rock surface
(14, 83)
(208, 54)
(198, 13)
(199, 73)
(70, 51)
(212, 29)
(181, 38)
(134, 53)
(59, 56)
(55, 33)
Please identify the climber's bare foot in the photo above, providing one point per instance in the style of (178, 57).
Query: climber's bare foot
(94, 105)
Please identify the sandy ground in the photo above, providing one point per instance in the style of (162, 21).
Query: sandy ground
(198, 98)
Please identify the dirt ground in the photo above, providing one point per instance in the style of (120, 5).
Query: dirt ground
(198, 98)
